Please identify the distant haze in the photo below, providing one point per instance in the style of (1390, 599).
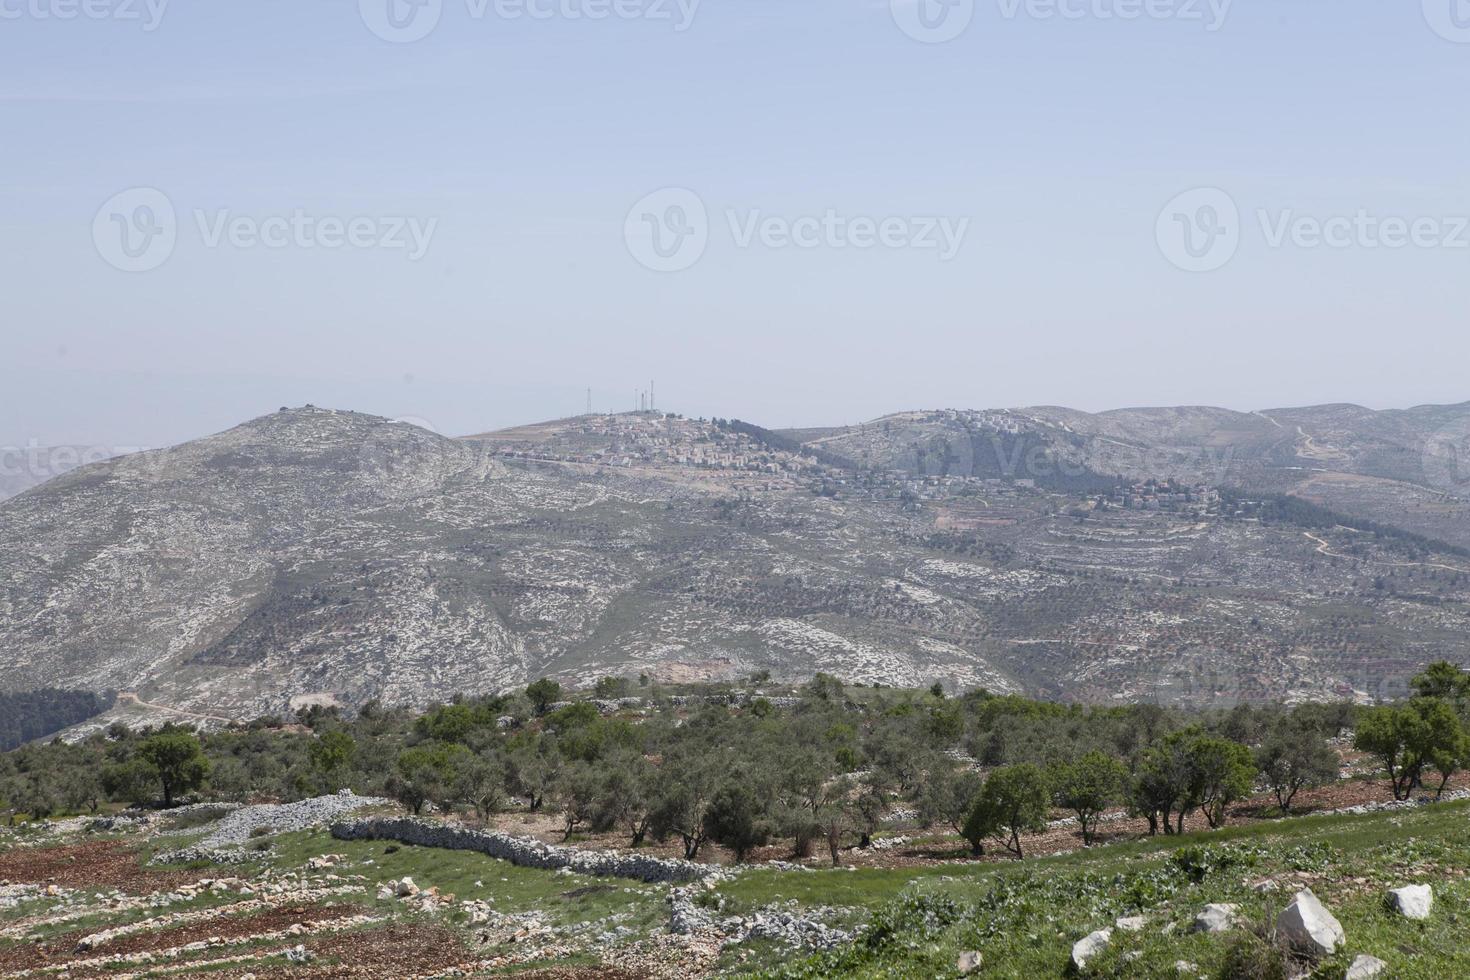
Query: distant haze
(473, 227)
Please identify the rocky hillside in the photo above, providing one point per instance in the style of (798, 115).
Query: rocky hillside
(323, 555)
(23, 467)
(1410, 468)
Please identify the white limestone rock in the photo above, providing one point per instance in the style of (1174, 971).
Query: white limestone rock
(1089, 946)
(1215, 917)
(1307, 926)
(1412, 901)
(1364, 967)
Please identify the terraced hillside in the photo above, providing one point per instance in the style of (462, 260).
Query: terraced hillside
(88, 900)
(314, 555)
(1406, 467)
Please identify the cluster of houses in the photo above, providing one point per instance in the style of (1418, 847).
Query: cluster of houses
(1166, 495)
(903, 485)
(654, 438)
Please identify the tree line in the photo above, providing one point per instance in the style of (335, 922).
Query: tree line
(29, 715)
(825, 767)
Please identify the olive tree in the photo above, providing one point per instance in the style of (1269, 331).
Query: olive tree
(177, 761)
(1087, 786)
(1013, 800)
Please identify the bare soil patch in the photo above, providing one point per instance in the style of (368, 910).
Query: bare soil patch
(63, 949)
(96, 866)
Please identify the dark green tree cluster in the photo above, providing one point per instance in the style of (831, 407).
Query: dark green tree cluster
(28, 715)
(824, 770)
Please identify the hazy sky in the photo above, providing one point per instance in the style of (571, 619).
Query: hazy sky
(474, 226)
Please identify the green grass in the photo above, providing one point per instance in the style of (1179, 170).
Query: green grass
(559, 899)
(1024, 916)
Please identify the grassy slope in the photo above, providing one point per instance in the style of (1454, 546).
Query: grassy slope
(1024, 917)
(558, 899)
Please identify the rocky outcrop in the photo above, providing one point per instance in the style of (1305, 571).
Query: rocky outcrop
(1365, 967)
(525, 852)
(1412, 901)
(1382, 805)
(1088, 947)
(238, 826)
(1214, 918)
(1307, 927)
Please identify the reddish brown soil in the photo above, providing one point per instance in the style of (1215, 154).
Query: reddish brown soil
(63, 948)
(98, 865)
(1255, 810)
(547, 827)
(394, 951)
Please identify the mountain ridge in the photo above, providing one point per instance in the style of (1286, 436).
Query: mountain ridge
(318, 555)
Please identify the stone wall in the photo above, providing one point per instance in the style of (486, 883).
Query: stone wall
(523, 851)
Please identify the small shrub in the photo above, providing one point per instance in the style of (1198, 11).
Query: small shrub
(263, 831)
(1249, 957)
(1199, 861)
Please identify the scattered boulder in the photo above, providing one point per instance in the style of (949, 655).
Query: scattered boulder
(1215, 917)
(1306, 926)
(968, 962)
(1412, 901)
(1089, 946)
(1131, 923)
(406, 888)
(1364, 967)
(298, 954)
